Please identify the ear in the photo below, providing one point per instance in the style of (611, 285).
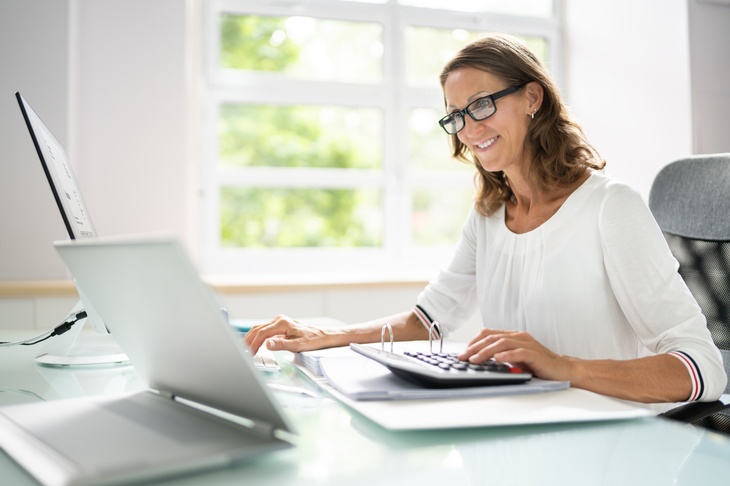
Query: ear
(534, 95)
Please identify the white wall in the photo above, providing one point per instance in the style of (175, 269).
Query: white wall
(131, 115)
(33, 60)
(628, 82)
(110, 79)
(709, 22)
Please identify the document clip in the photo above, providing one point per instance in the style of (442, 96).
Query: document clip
(382, 337)
(435, 327)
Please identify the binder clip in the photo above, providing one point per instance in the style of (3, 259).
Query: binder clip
(389, 328)
(435, 329)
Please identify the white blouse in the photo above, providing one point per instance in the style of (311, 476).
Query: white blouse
(595, 281)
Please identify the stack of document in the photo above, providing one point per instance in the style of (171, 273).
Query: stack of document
(396, 404)
(360, 378)
(311, 361)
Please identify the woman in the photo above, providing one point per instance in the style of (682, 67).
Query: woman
(570, 272)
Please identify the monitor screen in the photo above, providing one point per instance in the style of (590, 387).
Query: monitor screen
(60, 176)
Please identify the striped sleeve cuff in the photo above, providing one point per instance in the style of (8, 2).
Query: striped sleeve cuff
(426, 321)
(698, 385)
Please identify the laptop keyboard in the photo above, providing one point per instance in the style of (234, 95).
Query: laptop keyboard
(265, 360)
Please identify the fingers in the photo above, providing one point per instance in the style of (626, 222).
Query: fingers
(518, 348)
(522, 357)
(488, 342)
(279, 326)
(541, 362)
(481, 335)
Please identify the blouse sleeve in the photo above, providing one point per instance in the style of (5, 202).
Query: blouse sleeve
(451, 298)
(656, 301)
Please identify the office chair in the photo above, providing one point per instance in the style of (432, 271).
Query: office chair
(690, 199)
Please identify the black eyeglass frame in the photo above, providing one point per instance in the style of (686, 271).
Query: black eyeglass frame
(467, 111)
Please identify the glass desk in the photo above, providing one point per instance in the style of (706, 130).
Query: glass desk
(338, 446)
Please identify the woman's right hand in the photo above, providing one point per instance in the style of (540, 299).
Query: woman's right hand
(285, 333)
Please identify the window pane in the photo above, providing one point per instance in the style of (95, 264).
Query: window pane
(439, 214)
(428, 49)
(531, 8)
(428, 144)
(295, 218)
(300, 136)
(303, 47)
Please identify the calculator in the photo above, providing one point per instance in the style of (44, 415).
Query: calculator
(444, 370)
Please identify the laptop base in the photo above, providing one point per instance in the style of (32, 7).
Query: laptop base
(143, 428)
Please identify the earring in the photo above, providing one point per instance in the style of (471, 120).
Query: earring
(532, 115)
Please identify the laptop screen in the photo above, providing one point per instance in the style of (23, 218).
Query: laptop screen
(58, 171)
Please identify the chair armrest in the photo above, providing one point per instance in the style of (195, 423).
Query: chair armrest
(690, 412)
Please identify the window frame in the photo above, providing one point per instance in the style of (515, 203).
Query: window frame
(397, 257)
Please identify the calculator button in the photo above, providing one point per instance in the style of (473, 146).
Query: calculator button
(449, 361)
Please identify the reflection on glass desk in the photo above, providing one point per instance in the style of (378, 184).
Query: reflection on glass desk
(338, 446)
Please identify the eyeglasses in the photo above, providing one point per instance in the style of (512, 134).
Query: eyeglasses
(479, 109)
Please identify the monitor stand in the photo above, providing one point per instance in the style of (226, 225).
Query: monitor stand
(77, 349)
(84, 356)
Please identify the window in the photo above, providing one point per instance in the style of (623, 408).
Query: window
(322, 147)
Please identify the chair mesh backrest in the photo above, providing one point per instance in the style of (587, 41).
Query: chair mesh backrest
(690, 200)
(705, 267)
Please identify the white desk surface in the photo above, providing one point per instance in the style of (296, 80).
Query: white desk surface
(338, 446)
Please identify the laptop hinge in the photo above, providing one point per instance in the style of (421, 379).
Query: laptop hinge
(259, 427)
(262, 429)
(165, 394)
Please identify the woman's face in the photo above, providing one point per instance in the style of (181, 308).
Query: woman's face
(498, 141)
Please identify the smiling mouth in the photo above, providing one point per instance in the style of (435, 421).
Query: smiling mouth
(487, 143)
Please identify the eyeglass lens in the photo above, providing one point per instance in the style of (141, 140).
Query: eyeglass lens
(478, 109)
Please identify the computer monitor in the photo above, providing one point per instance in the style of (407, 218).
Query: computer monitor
(60, 176)
(68, 198)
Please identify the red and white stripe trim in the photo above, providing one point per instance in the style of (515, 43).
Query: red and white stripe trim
(426, 321)
(698, 386)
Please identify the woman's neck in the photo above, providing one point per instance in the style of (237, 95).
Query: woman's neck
(530, 205)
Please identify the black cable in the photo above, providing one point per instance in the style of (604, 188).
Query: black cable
(65, 326)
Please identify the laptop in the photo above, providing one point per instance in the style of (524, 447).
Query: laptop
(206, 405)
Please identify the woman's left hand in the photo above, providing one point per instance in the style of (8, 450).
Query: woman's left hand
(520, 349)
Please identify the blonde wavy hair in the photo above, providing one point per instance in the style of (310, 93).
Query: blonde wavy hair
(557, 144)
